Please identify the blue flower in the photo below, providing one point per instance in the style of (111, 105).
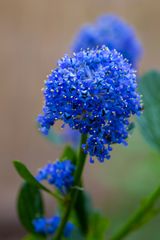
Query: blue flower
(48, 226)
(113, 32)
(94, 91)
(59, 174)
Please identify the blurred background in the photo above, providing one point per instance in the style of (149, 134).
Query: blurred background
(34, 34)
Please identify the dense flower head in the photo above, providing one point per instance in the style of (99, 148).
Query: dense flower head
(94, 91)
(59, 174)
(48, 226)
(113, 32)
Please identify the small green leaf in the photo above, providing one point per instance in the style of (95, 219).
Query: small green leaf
(33, 237)
(78, 188)
(76, 235)
(149, 121)
(29, 205)
(29, 237)
(27, 176)
(70, 154)
(98, 227)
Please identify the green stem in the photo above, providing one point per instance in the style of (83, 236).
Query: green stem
(138, 216)
(74, 191)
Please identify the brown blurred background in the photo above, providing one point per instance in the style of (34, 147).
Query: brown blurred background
(34, 34)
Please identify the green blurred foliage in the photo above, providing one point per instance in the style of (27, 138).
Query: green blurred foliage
(33, 237)
(149, 87)
(29, 205)
(98, 226)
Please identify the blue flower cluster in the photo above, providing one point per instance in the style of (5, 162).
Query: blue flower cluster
(94, 91)
(48, 226)
(60, 174)
(113, 32)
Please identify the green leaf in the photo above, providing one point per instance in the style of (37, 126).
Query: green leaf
(27, 176)
(98, 227)
(147, 218)
(33, 237)
(76, 235)
(141, 216)
(29, 237)
(29, 205)
(70, 154)
(149, 121)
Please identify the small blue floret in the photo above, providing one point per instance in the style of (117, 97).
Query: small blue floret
(59, 174)
(48, 226)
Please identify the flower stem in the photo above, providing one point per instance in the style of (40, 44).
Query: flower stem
(74, 191)
(135, 221)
